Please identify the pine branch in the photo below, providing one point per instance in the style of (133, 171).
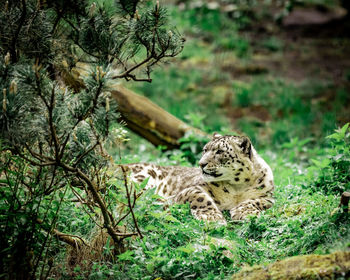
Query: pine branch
(56, 143)
(22, 19)
(87, 114)
(85, 153)
(127, 72)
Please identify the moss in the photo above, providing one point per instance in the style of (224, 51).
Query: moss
(301, 267)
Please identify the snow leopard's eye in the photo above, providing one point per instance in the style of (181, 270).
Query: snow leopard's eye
(218, 152)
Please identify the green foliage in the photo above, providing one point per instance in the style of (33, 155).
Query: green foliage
(302, 221)
(215, 26)
(184, 95)
(334, 171)
(174, 245)
(24, 201)
(191, 146)
(299, 227)
(293, 110)
(238, 44)
(54, 126)
(35, 40)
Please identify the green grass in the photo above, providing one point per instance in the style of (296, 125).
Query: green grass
(305, 219)
(294, 110)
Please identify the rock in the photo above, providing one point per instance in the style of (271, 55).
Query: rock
(312, 16)
(344, 201)
(329, 266)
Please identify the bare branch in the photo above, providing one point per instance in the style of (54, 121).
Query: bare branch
(85, 153)
(129, 201)
(127, 72)
(72, 240)
(37, 163)
(80, 199)
(108, 222)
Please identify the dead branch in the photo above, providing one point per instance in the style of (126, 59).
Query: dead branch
(72, 240)
(149, 120)
(131, 206)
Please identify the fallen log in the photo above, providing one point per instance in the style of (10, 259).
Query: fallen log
(149, 120)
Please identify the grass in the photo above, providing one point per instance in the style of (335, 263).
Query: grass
(305, 219)
(293, 110)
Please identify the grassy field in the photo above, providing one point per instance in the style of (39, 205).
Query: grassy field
(232, 78)
(305, 219)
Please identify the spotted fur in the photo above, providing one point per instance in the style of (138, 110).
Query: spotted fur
(232, 176)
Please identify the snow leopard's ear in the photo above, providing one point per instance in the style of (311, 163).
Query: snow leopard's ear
(246, 146)
(216, 136)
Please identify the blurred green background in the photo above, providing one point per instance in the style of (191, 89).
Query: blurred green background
(255, 67)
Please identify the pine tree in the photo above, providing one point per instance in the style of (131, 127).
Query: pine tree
(52, 132)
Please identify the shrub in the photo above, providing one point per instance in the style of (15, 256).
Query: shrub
(334, 170)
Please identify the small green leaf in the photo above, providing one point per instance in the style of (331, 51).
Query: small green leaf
(151, 228)
(188, 249)
(344, 129)
(212, 246)
(171, 219)
(143, 184)
(150, 267)
(321, 164)
(340, 133)
(61, 194)
(126, 256)
(157, 196)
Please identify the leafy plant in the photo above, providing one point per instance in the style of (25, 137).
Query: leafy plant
(334, 171)
(170, 250)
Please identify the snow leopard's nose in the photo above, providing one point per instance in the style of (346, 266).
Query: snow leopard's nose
(203, 164)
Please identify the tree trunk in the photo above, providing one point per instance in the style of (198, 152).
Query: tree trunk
(149, 120)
